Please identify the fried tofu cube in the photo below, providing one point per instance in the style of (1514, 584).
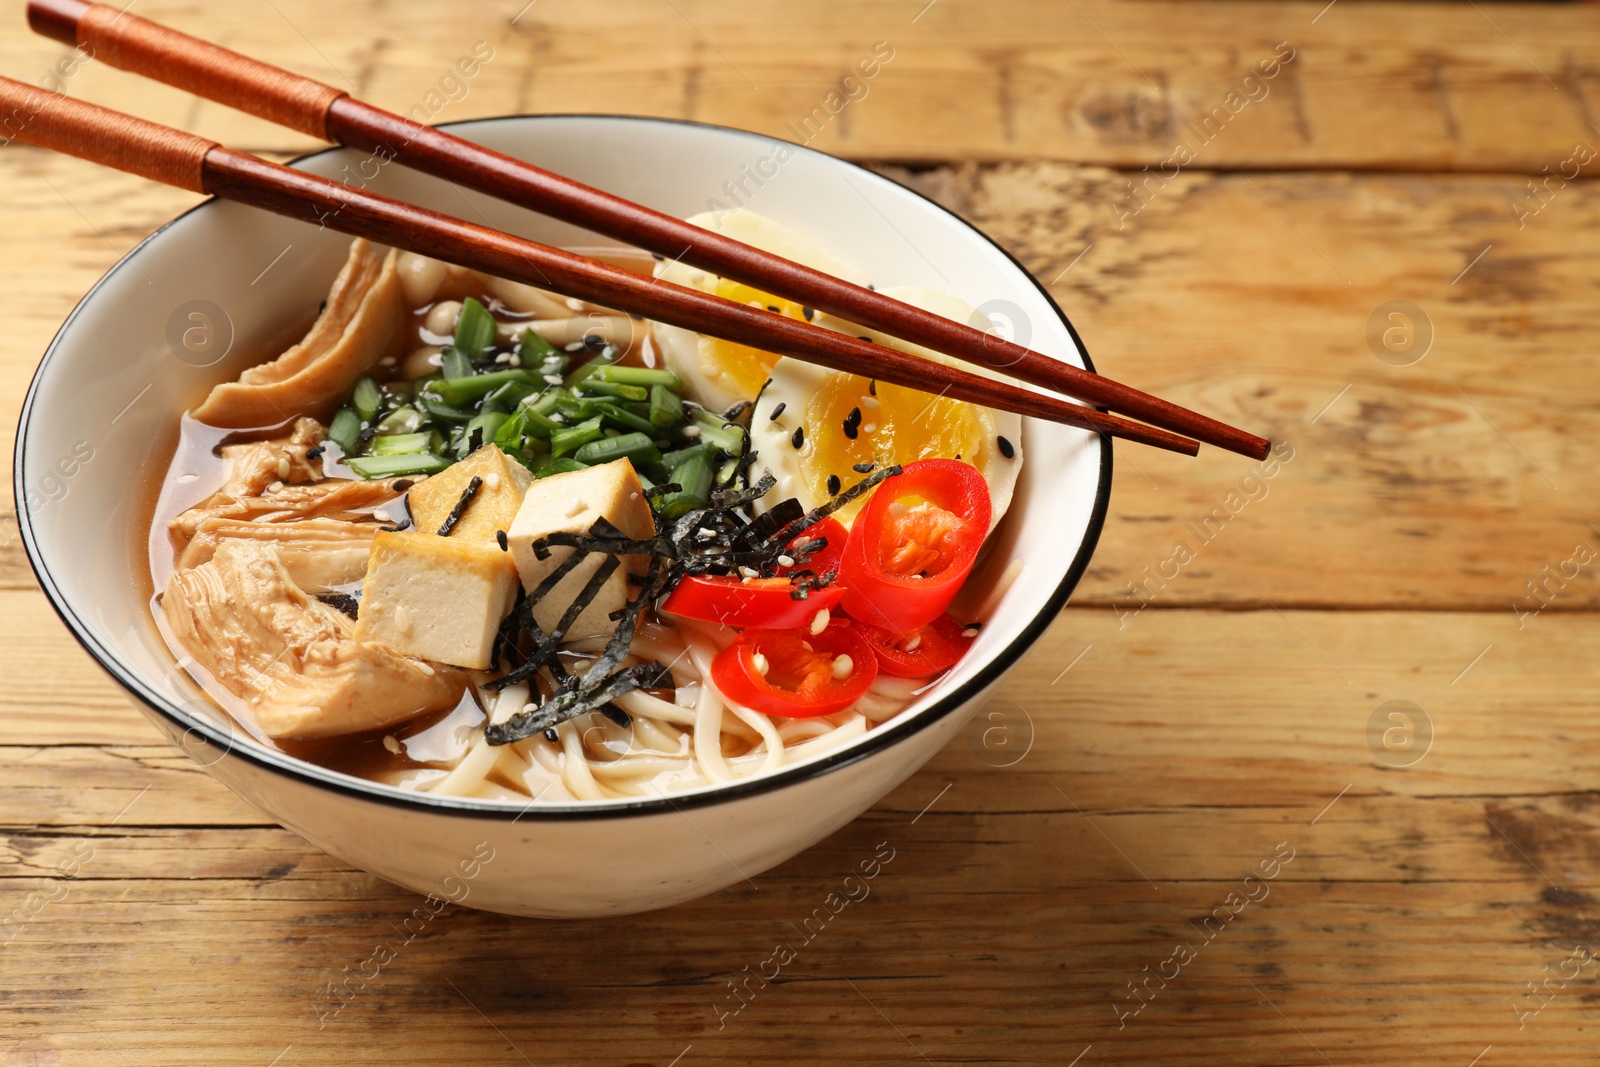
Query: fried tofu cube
(570, 503)
(436, 598)
(493, 506)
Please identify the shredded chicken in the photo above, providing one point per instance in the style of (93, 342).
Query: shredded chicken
(276, 492)
(257, 464)
(360, 325)
(319, 554)
(293, 659)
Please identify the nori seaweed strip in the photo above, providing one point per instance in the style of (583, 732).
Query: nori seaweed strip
(770, 521)
(727, 499)
(461, 506)
(545, 644)
(741, 462)
(571, 704)
(823, 510)
(601, 682)
(559, 672)
(341, 602)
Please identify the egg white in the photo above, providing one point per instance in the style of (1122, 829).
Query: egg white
(681, 349)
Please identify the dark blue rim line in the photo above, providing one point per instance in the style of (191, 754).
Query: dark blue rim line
(873, 741)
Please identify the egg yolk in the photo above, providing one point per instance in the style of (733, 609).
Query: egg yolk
(745, 369)
(897, 425)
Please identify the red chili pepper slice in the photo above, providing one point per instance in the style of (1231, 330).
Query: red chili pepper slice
(796, 674)
(766, 602)
(913, 545)
(924, 652)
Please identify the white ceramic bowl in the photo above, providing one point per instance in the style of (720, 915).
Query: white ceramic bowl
(102, 411)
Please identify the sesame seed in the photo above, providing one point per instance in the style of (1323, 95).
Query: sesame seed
(691, 431)
(552, 379)
(382, 516)
(402, 485)
(786, 560)
(863, 337)
(869, 402)
(851, 429)
(854, 416)
(773, 308)
(391, 744)
(275, 487)
(504, 357)
(809, 313)
(870, 427)
(500, 538)
(1006, 448)
(971, 631)
(799, 436)
(833, 485)
(863, 468)
(576, 346)
(657, 257)
(574, 303)
(778, 410)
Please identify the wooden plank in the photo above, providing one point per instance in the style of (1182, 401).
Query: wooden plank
(911, 969)
(1447, 483)
(1372, 85)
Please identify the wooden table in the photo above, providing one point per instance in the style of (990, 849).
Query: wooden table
(1208, 738)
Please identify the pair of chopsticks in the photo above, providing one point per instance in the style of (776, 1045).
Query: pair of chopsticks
(176, 158)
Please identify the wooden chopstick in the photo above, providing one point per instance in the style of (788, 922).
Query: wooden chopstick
(100, 135)
(208, 70)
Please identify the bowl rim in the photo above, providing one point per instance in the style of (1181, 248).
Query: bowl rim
(871, 743)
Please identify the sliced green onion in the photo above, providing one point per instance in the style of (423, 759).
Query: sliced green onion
(345, 430)
(635, 447)
(367, 399)
(549, 465)
(507, 397)
(481, 430)
(666, 407)
(621, 417)
(441, 410)
(602, 361)
(475, 331)
(571, 438)
(596, 387)
(463, 391)
(401, 420)
(536, 347)
(400, 444)
(578, 410)
(453, 363)
(392, 466)
(545, 403)
(639, 376)
(673, 460)
(694, 478)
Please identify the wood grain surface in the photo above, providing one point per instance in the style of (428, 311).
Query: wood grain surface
(1178, 729)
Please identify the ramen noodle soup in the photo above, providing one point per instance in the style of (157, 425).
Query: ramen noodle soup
(470, 538)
